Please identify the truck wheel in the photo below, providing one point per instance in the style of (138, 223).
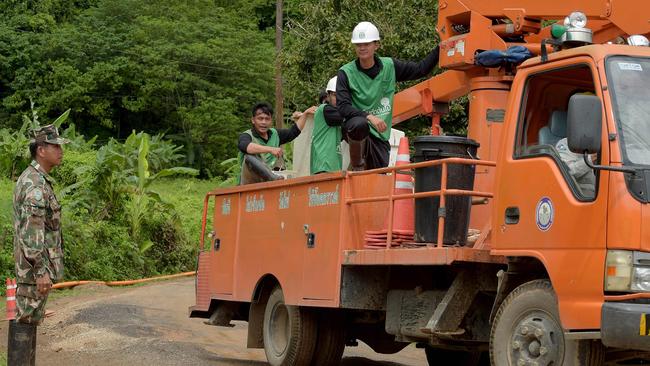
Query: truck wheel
(289, 332)
(527, 331)
(330, 342)
(439, 357)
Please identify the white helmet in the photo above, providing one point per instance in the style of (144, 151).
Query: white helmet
(331, 85)
(365, 32)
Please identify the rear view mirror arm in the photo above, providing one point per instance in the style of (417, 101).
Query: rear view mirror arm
(606, 167)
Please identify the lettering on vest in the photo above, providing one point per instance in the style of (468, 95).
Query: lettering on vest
(323, 199)
(385, 108)
(225, 206)
(283, 201)
(253, 204)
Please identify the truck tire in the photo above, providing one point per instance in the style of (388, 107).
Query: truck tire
(289, 332)
(330, 341)
(527, 330)
(441, 357)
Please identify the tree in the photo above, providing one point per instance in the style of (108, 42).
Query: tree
(191, 70)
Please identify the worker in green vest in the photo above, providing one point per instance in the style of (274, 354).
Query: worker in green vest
(326, 137)
(364, 92)
(259, 147)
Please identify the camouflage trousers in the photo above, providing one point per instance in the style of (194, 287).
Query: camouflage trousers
(30, 304)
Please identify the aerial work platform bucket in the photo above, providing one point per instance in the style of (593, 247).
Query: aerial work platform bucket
(457, 208)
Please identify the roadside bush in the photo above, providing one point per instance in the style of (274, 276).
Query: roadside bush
(100, 250)
(74, 166)
(171, 252)
(6, 250)
(6, 231)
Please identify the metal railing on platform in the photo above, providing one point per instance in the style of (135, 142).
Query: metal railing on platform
(442, 193)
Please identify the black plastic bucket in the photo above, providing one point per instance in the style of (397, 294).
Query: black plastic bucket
(457, 208)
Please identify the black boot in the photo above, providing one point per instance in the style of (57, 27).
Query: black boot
(21, 346)
(357, 155)
(33, 362)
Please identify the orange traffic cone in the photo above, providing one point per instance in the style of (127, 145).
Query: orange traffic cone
(404, 210)
(11, 299)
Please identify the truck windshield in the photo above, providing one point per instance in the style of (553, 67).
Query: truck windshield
(629, 83)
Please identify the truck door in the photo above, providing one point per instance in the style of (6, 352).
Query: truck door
(223, 243)
(549, 205)
(322, 240)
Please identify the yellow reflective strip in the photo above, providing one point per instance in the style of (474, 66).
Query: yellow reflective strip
(642, 326)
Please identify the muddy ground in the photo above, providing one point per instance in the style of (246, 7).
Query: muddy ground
(149, 325)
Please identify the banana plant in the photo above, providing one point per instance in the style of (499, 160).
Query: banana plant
(142, 196)
(233, 170)
(14, 154)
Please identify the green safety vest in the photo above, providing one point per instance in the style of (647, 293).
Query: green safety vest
(268, 158)
(325, 145)
(374, 96)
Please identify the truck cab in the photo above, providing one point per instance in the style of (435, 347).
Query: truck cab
(589, 239)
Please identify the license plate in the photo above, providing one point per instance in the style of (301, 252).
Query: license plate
(644, 324)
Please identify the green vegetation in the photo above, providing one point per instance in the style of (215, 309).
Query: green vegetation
(116, 224)
(191, 70)
(165, 87)
(103, 250)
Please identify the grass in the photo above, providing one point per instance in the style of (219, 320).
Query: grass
(6, 198)
(186, 194)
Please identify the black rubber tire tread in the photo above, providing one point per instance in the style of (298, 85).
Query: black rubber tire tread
(441, 357)
(595, 352)
(540, 294)
(330, 342)
(302, 337)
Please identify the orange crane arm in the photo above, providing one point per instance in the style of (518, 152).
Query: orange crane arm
(469, 26)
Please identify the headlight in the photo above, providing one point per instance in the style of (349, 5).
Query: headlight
(641, 279)
(618, 270)
(638, 40)
(576, 34)
(627, 271)
(577, 19)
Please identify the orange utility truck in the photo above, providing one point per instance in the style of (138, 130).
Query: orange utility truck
(558, 272)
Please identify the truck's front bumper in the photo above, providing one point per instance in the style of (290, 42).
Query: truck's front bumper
(626, 325)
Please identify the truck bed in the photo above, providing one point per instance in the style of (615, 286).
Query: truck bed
(303, 231)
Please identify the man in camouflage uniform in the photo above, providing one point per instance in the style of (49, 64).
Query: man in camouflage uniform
(37, 242)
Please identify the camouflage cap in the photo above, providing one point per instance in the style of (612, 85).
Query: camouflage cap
(48, 134)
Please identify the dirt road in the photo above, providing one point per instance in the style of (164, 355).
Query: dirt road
(148, 325)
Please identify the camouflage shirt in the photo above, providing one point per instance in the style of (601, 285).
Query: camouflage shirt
(37, 226)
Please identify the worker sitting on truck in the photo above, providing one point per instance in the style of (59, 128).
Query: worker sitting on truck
(259, 147)
(326, 138)
(578, 169)
(365, 90)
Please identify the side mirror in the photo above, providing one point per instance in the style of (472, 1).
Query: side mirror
(584, 124)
